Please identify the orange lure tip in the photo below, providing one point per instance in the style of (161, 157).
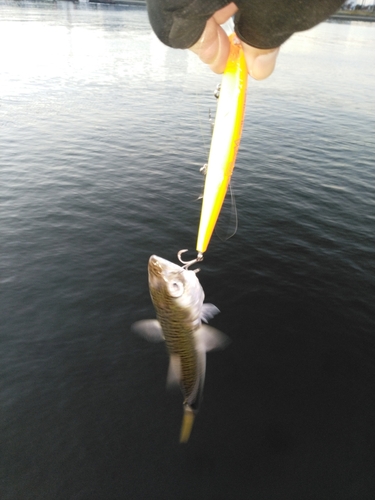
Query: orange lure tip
(225, 141)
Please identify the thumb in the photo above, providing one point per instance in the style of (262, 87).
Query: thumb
(260, 62)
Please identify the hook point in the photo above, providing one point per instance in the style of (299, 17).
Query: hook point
(187, 264)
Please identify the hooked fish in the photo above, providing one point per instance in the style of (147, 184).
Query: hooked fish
(178, 299)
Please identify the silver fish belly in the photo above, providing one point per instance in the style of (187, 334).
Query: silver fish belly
(178, 299)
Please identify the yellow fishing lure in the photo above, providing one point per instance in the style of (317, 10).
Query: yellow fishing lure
(225, 141)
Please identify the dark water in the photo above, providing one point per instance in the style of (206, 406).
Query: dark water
(102, 135)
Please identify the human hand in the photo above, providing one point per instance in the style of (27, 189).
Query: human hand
(213, 47)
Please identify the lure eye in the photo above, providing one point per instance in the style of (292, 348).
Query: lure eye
(176, 288)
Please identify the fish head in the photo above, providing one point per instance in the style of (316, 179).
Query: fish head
(173, 286)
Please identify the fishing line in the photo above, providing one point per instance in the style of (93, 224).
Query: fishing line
(198, 106)
(233, 215)
(228, 27)
(204, 131)
(203, 135)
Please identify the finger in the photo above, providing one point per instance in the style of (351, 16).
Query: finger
(221, 16)
(260, 62)
(213, 46)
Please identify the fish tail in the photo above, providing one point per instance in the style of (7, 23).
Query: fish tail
(187, 423)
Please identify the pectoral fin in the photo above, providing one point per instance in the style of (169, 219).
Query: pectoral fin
(149, 329)
(208, 312)
(208, 338)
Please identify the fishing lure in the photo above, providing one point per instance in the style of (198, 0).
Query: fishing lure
(225, 141)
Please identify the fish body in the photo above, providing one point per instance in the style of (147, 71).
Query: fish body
(178, 299)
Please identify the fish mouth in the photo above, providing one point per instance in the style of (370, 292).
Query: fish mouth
(154, 266)
(162, 268)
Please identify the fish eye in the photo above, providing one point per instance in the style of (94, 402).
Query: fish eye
(176, 288)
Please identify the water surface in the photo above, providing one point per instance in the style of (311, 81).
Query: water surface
(103, 132)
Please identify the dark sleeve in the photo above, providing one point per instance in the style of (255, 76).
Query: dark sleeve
(180, 23)
(267, 24)
(261, 23)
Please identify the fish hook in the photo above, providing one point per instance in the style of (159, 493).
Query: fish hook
(188, 263)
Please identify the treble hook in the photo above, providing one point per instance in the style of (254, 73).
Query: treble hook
(188, 263)
(217, 91)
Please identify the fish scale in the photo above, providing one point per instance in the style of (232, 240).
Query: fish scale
(179, 340)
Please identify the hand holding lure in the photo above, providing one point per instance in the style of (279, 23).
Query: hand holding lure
(225, 141)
